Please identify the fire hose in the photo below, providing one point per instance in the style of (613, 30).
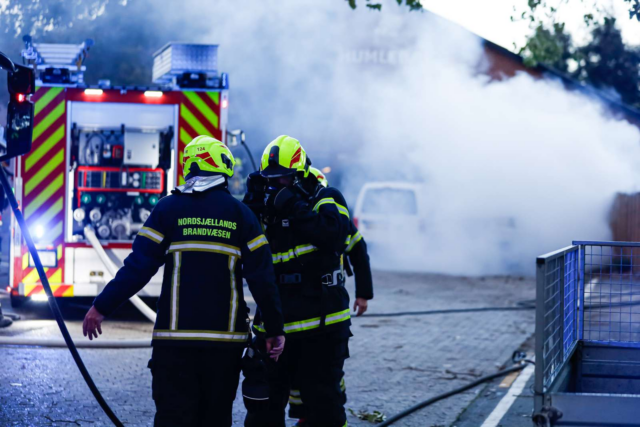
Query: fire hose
(522, 364)
(135, 300)
(53, 304)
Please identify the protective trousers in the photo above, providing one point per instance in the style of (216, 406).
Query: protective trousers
(296, 405)
(315, 364)
(194, 387)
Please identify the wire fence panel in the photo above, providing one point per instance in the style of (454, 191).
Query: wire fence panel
(612, 293)
(557, 312)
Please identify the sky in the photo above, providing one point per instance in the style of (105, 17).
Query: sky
(490, 19)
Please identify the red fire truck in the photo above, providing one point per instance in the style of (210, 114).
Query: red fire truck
(102, 157)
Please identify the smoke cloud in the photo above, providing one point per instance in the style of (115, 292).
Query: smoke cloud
(507, 169)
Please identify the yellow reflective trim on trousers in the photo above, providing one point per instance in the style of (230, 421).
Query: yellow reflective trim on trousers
(203, 108)
(44, 172)
(44, 148)
(44, 196)
(48, 121)
(188, 116)
(46, 99)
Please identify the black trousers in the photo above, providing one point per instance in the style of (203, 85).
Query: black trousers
(194, 387)
(315, 364)
(296, 405)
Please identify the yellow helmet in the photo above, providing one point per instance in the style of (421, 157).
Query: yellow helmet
(209, 155)
(319, 176)
(284, 156)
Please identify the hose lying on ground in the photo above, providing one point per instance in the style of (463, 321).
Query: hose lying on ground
(458, 390)
(52, 301)
(449, 311)
(47, 342)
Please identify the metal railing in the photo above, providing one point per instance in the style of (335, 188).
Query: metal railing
(589, 291)
(611, 293)
(557, 313)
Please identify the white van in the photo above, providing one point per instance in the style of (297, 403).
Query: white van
(386, 210)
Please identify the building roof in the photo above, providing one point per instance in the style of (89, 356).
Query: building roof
(515, 62)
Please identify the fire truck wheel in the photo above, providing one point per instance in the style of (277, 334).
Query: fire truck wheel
(17, 302)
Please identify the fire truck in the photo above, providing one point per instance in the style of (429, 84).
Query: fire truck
(102, 157)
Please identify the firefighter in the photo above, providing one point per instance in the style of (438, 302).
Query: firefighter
(357, 263)
(208, 242)
(308, 230)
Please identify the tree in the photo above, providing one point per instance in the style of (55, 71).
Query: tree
(18, 17)
(411, 4)
(605, 62)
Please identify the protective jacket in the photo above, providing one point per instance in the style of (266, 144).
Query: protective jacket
(307, 244)
(358, 264)
(208, 242)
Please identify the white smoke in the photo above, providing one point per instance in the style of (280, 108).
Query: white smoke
(510, 169)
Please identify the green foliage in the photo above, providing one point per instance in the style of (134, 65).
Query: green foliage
(18, 17)
(634, 9)
(549, 46)
(605, 62)
(413, 5)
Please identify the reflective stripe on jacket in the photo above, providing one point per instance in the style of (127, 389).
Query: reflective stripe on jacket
(308, 246)
(208, 242)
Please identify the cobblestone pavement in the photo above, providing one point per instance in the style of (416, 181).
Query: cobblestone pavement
(395, 361)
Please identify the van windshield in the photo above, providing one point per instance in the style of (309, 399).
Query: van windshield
(390, 201)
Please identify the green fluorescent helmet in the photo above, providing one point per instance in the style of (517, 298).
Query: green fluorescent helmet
(284, 156)
(209, 154)
(319, 176)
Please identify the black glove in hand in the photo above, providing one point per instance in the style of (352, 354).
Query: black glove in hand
(285, 200)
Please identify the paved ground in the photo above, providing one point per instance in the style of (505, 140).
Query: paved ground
(395, 361)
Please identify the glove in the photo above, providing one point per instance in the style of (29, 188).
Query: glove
(285, 200)
(254, 198)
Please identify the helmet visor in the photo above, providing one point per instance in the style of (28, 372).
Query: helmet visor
(276, 171)
(276, 183)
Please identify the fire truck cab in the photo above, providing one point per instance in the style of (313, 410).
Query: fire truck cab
(102, 157)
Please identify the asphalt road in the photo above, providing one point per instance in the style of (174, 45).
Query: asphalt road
(395, 361)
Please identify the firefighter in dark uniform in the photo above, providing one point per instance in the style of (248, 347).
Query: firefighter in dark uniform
(208, 242)
(308, 234)
(357, 263)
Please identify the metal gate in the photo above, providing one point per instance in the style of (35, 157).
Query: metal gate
(588, 333)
